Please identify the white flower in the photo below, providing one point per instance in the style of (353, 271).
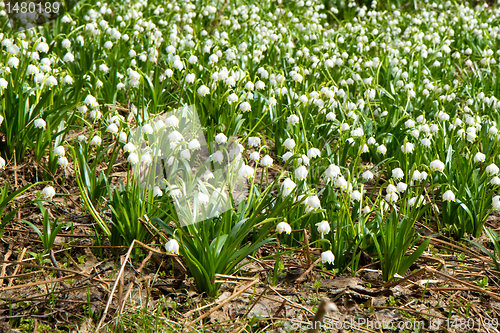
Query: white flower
(42, 47)
(172, 121)
(341, 183)
(253, 141)
(418, 201)
(40, 123)
(203, 90)
(301, 172)
(185, 154)
(398, 173)
(260, 85)
(357, 132)
(391, 197)
(287, 186)
(287, 155)
(112, 128)
(202, 198)
(391, 189)
(232, 98)
(293, 119)
(66, 43)
(283, 227)
(62, 161)
(323, 227)
(409, 123)
(82, 108)
(381, 149)
(471, 136)
(236, 151)
(169, 72)
(401, 187)
(159, 124)
(194, 145)
(13, 62)
(332, 172)
(193, 59)
(367, 175)
(104, 68)
(495, 181)
(48, 192)
(59, 151)
(249, 85)
(207, 175)
(190, 78)
(313, 152)
(407, 148)
(330, 116)
(448, 196)
(246, 171)
(174, 191)
(426, 142)
(147, 129)
(220, 138)
(175, 137)
(312, 203)
(179, 65)
(266, 161)
(255, 156)
(289, 143)
(327, 257)
(157, 192)
(172, 247)
(492, 169)
(437, 165)
(416, 175)
(3, 83)
(356, 195)
(129, 147)
(133, 158)
(217, 157)
(96, 141)
(303, 160)
(91, 101)
(443, 116)
(69, 80)
(245, 107)
(479, 157)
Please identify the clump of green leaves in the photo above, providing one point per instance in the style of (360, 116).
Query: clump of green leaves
(49, 230)
(218, 245)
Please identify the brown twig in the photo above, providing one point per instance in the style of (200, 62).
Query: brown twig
(115, 285)
(219, 14)
(221, 304)
(308, 270)
(31, 284)
(5, 258)
(16, 270)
